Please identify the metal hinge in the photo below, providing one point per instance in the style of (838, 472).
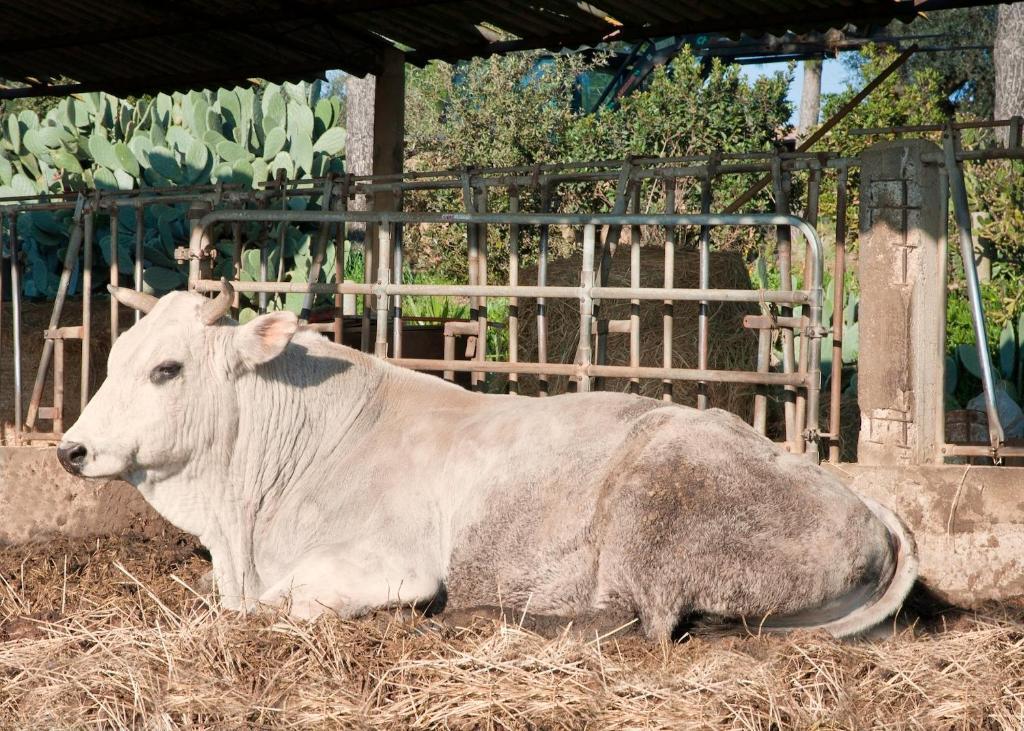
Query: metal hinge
(184, 253)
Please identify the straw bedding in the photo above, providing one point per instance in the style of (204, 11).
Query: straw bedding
(107, 634)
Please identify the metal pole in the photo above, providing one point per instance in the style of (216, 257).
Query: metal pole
(814, 332)
(703, 311)
(90, 221)
(542, 280)
(383, 278)
(115, 277)
(586, 306)
(264, 262)
(480, 205)
(140, 242)
(449, 354)
(196, 244)
(784, 248)
(397, 307)
(499, 290)
(634, 304)
(811, 216)
(282, 238)
(370, 234)
(764, 349)
(469, 201)
(838, 300)
(513, 281)
(199, 243)
(611, 241)
(961, 210)
(576, 371)
(667, 306)
(319, 247)
(340, 235)
(12, 221)
(58, 386)
(70, 262)
(238, 249)
(523, 219)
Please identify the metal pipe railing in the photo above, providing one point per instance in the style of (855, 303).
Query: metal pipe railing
(542, 178)
(838, 301)
(587, 293)
(12, 227)
(962, 213)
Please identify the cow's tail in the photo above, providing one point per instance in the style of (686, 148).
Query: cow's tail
(889, 599)
(867, 607)
(860, 609)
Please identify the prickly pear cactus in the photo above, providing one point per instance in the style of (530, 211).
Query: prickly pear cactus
(240, 135)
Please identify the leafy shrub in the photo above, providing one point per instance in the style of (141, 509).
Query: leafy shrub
(240, 136)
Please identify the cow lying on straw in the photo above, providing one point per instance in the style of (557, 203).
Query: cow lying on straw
(323, 479)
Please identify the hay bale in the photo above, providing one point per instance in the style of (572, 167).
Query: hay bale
(731, 346)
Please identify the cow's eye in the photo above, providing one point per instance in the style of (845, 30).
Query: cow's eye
(165, 372)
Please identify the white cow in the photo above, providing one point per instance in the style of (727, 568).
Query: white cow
(321, 478)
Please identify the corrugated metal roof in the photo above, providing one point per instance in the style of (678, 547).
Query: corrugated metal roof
(126, 46)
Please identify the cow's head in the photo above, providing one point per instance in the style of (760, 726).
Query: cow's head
(169, 396)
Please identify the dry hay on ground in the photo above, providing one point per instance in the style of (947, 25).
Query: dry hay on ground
(731, 347)
(105, 634)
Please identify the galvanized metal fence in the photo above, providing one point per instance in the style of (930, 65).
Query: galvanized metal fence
(388, 287)
(382, 289)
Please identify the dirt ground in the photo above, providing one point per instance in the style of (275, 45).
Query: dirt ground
(111, 633)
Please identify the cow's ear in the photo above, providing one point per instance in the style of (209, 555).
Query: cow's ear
(265, 337)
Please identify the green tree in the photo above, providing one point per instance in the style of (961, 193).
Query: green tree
(498, 111)
(518, 110)
(913, 97)
(964, 74)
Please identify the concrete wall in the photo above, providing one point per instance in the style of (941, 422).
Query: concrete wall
(38, 500)
(968, 522)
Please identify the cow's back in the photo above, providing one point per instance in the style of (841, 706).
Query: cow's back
(664, 510)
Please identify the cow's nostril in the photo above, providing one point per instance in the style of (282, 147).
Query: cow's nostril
(72, 456)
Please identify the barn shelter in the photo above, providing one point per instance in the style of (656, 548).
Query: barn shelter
(125, 48)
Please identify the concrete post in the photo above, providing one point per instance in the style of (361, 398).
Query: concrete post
(902, 304)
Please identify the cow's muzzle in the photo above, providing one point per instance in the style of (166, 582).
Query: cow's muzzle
(72, 456)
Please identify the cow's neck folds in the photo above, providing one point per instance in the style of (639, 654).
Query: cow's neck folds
(313, 395)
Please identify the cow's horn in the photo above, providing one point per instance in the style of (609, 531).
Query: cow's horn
(130, 298)
(216, 308)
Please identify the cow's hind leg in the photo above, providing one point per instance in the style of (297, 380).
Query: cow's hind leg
(694, 525)
(348, 583)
